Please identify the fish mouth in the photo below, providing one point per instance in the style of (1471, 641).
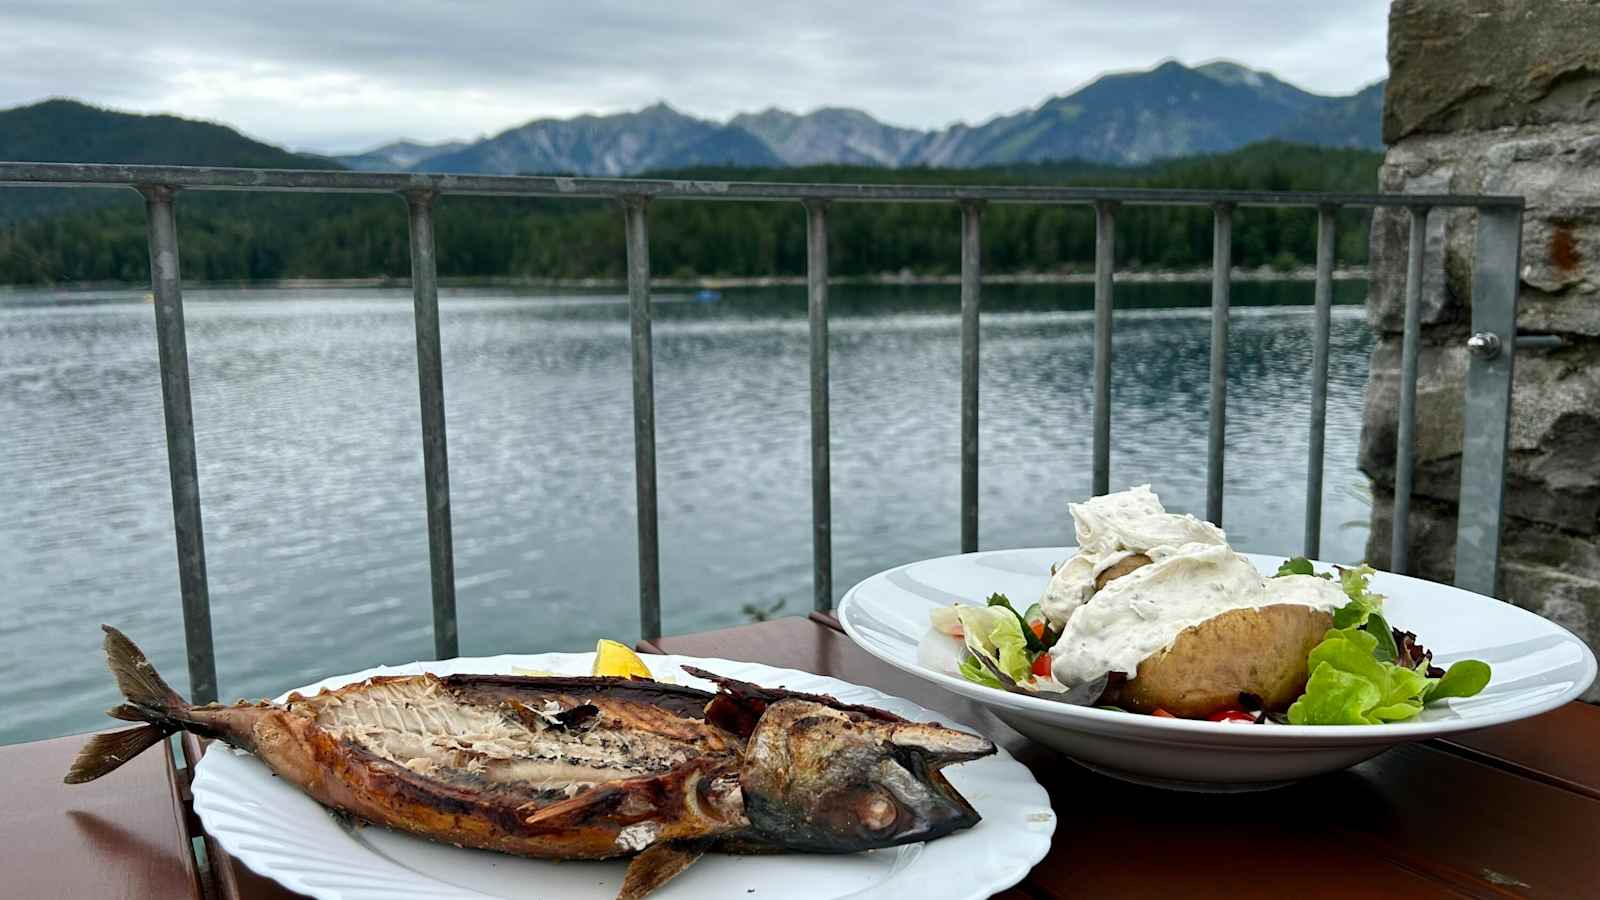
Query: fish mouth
(925, 750)
(943, 809)
(963, 815)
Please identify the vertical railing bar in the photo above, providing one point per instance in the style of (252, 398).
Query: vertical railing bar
(821, 483)
(430, 389)
(1327, 218)
(1486, 417)
(971, 279)
(644, 415)
(1410, 349)
(178, 413)
(1105, 251)
(1221, 275)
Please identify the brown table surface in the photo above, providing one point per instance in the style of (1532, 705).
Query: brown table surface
(117, 837)
(1514, 811)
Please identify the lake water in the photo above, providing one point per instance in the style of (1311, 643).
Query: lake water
(305, 404)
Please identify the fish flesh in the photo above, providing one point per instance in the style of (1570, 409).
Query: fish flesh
(579, 767)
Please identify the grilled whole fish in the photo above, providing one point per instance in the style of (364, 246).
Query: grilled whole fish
(579, 768)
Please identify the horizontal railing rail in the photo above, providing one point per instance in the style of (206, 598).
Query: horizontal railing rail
(1487, 398)
(332, 180)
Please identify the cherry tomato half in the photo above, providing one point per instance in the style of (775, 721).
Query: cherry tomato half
(1041, 665)
(1232, 715)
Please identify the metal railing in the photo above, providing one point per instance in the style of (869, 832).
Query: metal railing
(1488, 390)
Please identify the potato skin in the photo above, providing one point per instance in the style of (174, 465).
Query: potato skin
(1122, 567)
(1258, 651)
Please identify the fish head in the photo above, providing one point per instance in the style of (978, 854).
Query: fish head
(828, 780)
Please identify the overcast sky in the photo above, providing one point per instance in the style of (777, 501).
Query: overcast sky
(344, 75)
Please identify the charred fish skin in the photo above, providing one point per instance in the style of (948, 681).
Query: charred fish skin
(579, 768)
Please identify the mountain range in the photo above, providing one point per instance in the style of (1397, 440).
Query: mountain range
(1172, 110)
(1131, 118)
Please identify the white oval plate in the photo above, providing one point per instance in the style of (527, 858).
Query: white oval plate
(1537, 665)
(279, 832)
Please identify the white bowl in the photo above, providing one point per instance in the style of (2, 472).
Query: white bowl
(1537, 665)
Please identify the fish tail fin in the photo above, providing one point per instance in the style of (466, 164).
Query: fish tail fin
(149, 700)
(105, 752)
(138, 680)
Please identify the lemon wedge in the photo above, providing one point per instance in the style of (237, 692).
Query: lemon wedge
(616, 660)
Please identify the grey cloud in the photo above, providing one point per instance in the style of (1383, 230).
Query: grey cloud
(336, 76)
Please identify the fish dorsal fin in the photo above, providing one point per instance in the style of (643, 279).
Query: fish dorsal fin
(739, 704)
(657, 865)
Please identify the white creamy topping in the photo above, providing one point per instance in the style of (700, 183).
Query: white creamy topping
(1111, 528)
(1193, 576)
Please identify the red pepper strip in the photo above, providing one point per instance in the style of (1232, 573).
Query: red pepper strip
(1041, 665)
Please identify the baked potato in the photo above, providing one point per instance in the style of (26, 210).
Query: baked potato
(1256, 651)
(1120, 568)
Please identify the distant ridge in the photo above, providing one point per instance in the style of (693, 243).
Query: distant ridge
(63, 130)
(1171, 110)
(656, 137)
(399, 155)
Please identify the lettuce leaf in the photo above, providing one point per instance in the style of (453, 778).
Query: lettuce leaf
(1031, 640)
(1365, 672)
(1363, 603)
(1297, 565)
(1463, 679)
(1349, 685)
(972, 670)
(946, 620)
(994, 633)
(1334, 697)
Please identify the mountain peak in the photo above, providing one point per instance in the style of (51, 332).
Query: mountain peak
(1229, 72)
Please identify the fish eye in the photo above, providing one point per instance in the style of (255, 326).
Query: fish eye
(877, 811)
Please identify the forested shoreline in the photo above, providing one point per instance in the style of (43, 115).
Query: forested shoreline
(257, 237)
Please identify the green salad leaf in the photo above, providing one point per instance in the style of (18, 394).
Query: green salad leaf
(1297, 565)
(1355, 677)
(1464, 678)
(996, 634)
(1030, 639)
(972, 670)
(1350, 685)
(1363, 603)
(1334, 697)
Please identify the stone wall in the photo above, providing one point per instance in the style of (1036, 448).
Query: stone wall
(1497, 96)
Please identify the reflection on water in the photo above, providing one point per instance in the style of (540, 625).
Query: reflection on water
(306, 408)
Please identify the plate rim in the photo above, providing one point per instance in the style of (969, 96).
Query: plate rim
(265, 863)
(1195, 732)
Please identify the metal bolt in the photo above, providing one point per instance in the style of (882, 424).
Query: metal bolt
(1484, 344)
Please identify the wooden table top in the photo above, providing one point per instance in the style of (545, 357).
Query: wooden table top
(1514, 811)
(121, 837)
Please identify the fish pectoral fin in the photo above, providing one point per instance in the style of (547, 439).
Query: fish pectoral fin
(657, 865)
(587, 806)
